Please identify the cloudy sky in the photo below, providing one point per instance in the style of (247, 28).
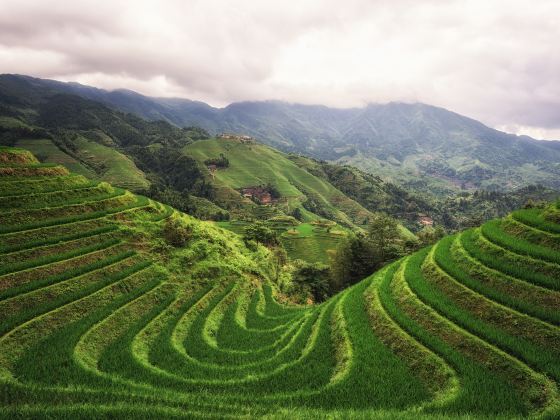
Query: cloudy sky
(496, 61)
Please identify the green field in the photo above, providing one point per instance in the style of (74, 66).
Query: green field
(253, 164)
(305, 241)
(92, 160)
(48, 152)
(111, 165)
(101, 318)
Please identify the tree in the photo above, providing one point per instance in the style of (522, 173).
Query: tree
(430, 235)
(362, 254)
(220, 162)
(384, 235)
(273, 191)
(297, 214)
(279, 259)
(312, 279)
(353, 260)
(261, 233)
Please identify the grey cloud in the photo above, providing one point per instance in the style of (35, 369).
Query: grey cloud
(496, 61)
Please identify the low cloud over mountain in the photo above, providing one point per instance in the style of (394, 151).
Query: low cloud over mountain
(496, 61)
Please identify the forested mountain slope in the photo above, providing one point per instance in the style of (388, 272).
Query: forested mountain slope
(422, 146)
(454, 211)
(155, 157)
(149, 156)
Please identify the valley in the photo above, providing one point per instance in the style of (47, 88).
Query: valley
(115, 304)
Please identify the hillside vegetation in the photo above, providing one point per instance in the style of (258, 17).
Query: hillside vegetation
(91, 159)
(113, 305)
(453, 211)
(95, 141)
(297, 192)
(69, 124)
(252, 164)
(418, 145)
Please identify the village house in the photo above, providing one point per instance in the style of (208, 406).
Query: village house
(425, 220)
(242, 139)
(259, 194)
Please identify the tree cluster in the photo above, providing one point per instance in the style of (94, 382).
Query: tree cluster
(219, 162)
(260, 233)
(364, 253)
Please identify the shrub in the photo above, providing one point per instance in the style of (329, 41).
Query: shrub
(430, 235)
(297, 214)
(261, 233)
(219, 162)
(552, 214)
(177, 232)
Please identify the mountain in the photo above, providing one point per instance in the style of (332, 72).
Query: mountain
(170, 164)
(116, 306)
(102, 143)
(453, 211)
(153, 157)
(252, 180)
(418, 145)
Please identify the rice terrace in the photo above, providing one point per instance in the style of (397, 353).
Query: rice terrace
(98, 320)
(290, 210)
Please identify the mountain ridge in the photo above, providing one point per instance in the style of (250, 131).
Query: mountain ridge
(110, 96)
(106, 144)
(418, 145)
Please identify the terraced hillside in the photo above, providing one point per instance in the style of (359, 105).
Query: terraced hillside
(93, 160)
(93, 325)
(252, 164)
(306, 241)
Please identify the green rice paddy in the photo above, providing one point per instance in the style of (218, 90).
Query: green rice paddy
(93, 325)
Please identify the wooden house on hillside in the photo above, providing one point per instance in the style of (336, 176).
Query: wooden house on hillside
(425, 220)
(260, 194)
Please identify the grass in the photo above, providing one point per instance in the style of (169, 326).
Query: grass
(42, 184)
(505, 261)
(311, 248)
(253, 164)
(67, 270)
(533, 342)
(304, 241)
(50, 153)
(256, 164)
(45, 199)
(481, 390)
(100, 202)
(535, 218)
(111, 166)
(92, 160)
(96, 214)
(76, 234)
(531, 234)
(494, 233)
(101, 318)
(511, 292)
